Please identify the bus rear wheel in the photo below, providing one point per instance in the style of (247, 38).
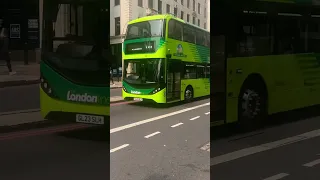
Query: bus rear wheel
(188, 94)
(252, 106)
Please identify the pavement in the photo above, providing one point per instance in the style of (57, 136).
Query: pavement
(289, 150)
(28, 75)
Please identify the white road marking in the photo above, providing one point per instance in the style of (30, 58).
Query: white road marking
(207, 113)
(117, 129)
(194, 118)
(153, 134)
(312, 163)
(277, 176)
(118, 148)
(263, 147)
(176, 125)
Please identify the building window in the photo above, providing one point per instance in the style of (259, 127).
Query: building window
(160, 6)
(199, 8)
(205, 26)
(205, 12)
(116, 2)
(194, 5)
(188, 3)
(150, 4)
(168, 8)
(182, 14)
(175, 11)
(188, 17)
(140, 3)
(182, 1)
(194, 20)
(117, 26)
(199, 22)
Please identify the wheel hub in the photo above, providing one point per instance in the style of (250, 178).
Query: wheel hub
(250, 104)
(188, 94)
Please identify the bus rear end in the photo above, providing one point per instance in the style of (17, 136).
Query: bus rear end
(144, 60)
(74, 68)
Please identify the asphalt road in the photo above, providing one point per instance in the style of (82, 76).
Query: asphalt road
(81, 155)
(19, 98)
(116, 92)
(166, 147)
(289, 150)
(174, 153)
(26, 97)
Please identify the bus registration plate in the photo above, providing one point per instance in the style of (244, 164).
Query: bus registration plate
(83, 118)
(137, 99)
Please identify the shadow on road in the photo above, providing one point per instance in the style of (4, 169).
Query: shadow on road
(96, 133)
(152, 104)
(275, 120)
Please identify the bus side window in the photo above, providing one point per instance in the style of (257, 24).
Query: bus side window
(199, 38)
(175, 30)
(201, 71)
(190, 71)
(188, 34)
(208, 72)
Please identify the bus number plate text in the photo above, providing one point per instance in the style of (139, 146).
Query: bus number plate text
(82, 118)
(137, 99)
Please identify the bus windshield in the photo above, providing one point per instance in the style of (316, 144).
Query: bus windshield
(73, 41)
(144, 71)
(145, 29)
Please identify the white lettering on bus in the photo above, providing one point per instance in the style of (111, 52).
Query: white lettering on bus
(135, 92)
(81, 97)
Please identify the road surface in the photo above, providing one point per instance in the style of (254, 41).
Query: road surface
(289, 151)
(80, 154)
(166, 147)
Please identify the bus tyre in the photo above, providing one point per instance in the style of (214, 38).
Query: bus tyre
(188, 94)
(252, 106)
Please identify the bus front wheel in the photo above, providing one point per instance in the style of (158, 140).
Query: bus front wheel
(252, 105)
(188, 94)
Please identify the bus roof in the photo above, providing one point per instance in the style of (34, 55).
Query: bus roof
(163, 16)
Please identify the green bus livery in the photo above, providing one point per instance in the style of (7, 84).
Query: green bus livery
(165, 60)
(74, 68)
(269, 54)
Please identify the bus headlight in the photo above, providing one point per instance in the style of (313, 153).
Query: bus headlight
(156, 90)
(124, 89)
(46, 87)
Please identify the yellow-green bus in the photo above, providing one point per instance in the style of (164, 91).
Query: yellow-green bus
(268, 56)
(165, 60)
(74, 68)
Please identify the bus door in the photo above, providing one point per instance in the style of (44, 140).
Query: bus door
(173, 80)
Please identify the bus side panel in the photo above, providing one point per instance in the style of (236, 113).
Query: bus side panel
(283, 77)
(201, 87)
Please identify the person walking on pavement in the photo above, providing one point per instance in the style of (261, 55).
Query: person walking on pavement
(4, 49)
(111, 76)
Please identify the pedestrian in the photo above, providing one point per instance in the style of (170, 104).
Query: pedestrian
(111, 76)
(4, 49)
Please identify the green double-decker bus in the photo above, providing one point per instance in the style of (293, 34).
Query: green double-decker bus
(165, 60)
(74, 66)
(269, 54)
